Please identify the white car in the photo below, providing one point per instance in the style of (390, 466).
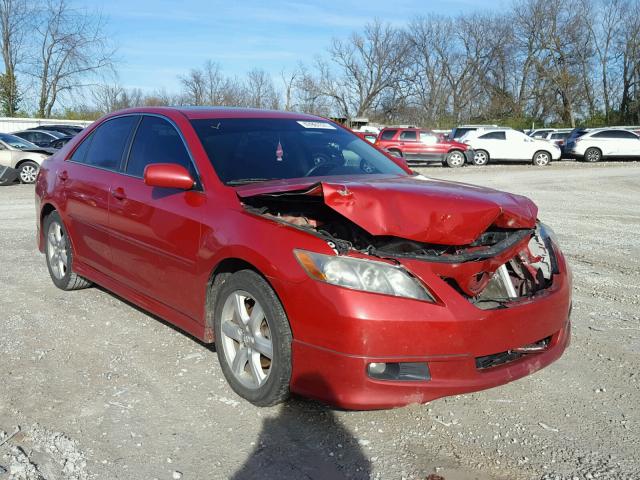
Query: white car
(511, 145)
(23, 156)
(601, 143)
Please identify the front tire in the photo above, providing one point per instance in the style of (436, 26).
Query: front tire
(59, 255)
(455, 159)
(28, 171)
(593, 155)
(253, 339)
(480, 158)
(541, 158)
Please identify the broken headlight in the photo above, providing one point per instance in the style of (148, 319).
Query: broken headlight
(360, 274)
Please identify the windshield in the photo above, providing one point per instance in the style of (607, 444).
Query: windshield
(244, 150)
(17, 142)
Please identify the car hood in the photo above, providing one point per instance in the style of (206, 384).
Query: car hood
(415, 208)
(43, 150)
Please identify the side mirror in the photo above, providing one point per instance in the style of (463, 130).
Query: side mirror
(168, 175)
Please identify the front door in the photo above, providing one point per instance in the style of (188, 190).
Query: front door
(155, 232)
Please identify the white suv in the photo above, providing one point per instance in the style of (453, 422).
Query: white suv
(597, 144)
(511, 145)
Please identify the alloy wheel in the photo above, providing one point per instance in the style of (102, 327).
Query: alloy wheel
(57, 250)
(456, 159)
(541, 159)
(480, 158)
(28, 174)
(246, 339)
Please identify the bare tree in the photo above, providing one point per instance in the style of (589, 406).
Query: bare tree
(14, 23)
(71, 48)
(368, 64)
(260, 90)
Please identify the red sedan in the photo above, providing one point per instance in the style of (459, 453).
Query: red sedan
(417, 146)
(317, 264)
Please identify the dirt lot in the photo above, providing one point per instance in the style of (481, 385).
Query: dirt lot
(102, 390)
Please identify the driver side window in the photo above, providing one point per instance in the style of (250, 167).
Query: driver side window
(157, 141)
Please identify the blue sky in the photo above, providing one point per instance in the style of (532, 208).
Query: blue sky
(158, 40)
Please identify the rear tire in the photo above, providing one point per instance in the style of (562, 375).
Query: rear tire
(59, 255)
(480, 158)
(455, 159)
(592, 155)
(28, 171)
(253, 339)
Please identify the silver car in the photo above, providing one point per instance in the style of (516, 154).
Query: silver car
(21, 155)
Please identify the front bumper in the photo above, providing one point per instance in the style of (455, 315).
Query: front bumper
(7, 175)
(346, 330)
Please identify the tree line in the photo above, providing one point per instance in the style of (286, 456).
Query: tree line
(562, 62)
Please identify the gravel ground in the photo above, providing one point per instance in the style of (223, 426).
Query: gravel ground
(93, 388)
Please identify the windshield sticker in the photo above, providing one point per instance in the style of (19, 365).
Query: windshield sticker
(324, 125)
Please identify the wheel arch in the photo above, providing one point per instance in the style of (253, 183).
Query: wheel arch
(226, 267)
(542, 150)
(45, 210)
(24, 160)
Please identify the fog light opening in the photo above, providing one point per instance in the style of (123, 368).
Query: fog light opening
(400, 371)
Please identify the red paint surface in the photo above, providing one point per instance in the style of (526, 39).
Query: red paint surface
(159, 248)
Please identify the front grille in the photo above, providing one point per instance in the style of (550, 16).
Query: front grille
(496, 359)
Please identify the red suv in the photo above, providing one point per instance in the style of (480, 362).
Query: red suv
(422, 146)
(316, 263)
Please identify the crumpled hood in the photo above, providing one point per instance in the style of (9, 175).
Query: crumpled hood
(423, 210)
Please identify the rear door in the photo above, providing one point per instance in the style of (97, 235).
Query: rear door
(495, 143)
(86, 179)
(429, 147)
(155, 232)
(605, 141)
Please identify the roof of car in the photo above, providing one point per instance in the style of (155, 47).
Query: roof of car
(194, 113)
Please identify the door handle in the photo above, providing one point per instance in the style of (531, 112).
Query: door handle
(63, 176)
(118, 193)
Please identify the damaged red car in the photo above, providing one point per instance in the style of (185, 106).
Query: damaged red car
(319, 265)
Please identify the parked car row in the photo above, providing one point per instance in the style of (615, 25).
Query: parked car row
(22, 152)
(481, 144)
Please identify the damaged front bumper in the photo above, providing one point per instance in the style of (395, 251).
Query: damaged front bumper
(464, 347)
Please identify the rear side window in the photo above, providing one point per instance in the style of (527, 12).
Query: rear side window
(80, 153)
(624, 134)
(556, 136)
(157, 141)
(493, 136)
(387, 134)
(604, 135)
(108, 142)
(409, 135)
(28, 136)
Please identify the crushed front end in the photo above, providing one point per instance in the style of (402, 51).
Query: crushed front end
(496, 305)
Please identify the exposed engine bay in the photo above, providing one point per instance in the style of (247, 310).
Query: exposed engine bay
(500, 266)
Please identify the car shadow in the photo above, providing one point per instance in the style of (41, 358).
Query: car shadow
(305, 441)
(209, 346)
